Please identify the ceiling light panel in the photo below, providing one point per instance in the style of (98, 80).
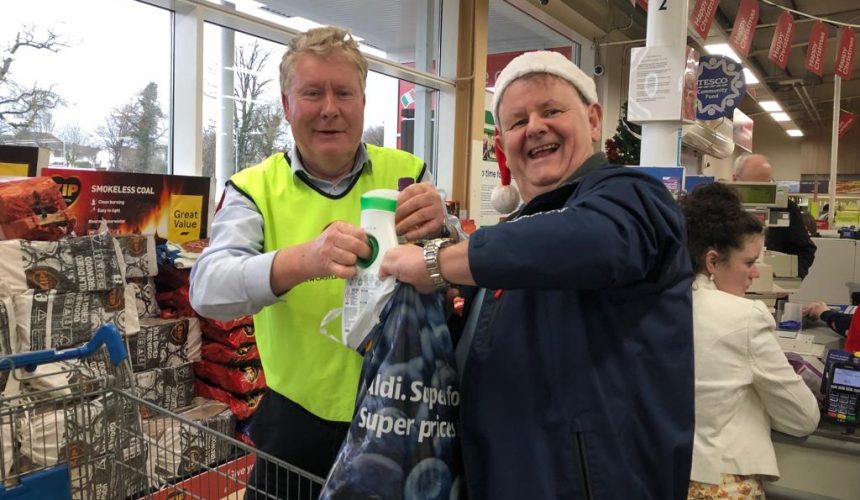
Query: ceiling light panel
(771, 106)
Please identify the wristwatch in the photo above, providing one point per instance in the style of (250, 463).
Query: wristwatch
(431, 260)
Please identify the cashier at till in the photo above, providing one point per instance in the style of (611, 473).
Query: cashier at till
(793, 239)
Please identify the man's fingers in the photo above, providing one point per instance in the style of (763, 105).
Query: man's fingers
(420, 231)
(354, 242)
(427, 221)
(341, 271)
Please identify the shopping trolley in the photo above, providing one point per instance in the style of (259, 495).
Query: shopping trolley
(71, 427)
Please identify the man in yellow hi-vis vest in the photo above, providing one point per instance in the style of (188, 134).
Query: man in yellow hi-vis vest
(285, 239)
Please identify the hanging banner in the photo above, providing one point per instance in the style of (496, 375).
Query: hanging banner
(702, 16)
(845, 53)
(815, 49)
(745, 23)
(780, 45)
(721, 87)
(846, 120)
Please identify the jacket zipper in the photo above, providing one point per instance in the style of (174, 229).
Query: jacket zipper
(497, 298)
(583, 466)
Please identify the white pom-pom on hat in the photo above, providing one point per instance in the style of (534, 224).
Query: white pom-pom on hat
(505, 197)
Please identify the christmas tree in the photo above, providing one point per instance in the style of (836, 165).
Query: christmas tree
(623, 147)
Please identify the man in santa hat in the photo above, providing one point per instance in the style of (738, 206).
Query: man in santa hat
(577, 372)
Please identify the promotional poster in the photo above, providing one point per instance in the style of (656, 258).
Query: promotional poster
(174, 207)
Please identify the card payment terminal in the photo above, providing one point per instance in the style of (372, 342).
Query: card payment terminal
(842, 388)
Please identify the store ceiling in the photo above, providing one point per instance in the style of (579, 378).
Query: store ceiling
(806, 97)
(373, 20)
(387, 25)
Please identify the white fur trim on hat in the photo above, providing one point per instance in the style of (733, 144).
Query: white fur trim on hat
(543, 61)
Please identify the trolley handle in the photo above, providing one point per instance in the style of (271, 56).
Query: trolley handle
(107, 335)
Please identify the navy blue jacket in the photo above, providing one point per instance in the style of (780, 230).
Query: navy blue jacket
(579, 380)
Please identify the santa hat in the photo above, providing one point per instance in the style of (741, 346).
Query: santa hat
(543, 61)
(505, 198)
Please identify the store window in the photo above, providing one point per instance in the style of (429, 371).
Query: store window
(243, 126)
(140, 86)
(243, 121)
(92, 88)
(401, 31)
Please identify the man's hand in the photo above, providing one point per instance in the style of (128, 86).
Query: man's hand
(333, 252)
(336, 250)
(814, 309)
(406, 264)
(420, 212)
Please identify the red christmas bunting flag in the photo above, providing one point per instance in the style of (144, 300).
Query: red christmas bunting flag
(846, 120)
(745, 23)
(780, 45)
(845, 53)
(702, 16)
(815, 49)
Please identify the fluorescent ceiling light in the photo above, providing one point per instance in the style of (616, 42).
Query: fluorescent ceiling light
(794, 132)
(780, 117)
(722, 49)
(771, 106)
(750, 77)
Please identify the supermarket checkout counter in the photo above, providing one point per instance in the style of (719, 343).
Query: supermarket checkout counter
(825, 464)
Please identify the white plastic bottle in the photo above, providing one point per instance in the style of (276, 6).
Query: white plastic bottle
(365, 294)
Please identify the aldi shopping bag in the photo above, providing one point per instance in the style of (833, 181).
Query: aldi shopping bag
(402, 442)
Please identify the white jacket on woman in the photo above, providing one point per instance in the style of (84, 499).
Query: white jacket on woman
(744, 387)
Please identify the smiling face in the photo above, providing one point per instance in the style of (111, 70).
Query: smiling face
(734, 274)
(325, 109)
(546, 131)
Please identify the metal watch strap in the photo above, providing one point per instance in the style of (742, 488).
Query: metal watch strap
(431, 260)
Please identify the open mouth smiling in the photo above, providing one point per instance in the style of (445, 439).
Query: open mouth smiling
(545, 150)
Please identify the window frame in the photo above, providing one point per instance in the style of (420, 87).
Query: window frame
(185, 143)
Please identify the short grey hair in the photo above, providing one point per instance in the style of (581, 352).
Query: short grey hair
(322, 41)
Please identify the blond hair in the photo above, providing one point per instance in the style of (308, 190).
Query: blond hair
(322, 41)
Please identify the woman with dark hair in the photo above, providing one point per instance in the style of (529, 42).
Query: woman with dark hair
(744, 383)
